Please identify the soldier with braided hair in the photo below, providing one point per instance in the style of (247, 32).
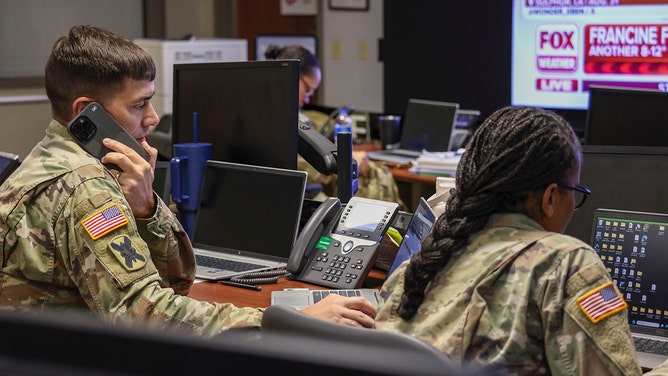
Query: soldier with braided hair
(496, 282)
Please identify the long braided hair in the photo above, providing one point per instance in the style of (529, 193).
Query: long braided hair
(515, 151)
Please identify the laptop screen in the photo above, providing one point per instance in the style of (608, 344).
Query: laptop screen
(250, 210)
(428, 125)
(418, 228)
(161, 180)
(634, 248)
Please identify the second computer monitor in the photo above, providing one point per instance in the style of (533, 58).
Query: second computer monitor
(248, 110)
(620, 177)
(627, 116)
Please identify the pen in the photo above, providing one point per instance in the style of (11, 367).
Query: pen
(242, 285)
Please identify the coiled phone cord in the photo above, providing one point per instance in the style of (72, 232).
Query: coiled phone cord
(260, 278)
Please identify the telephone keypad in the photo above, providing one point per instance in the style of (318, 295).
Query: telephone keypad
(339, 267)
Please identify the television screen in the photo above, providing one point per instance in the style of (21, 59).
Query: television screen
(561, 48)
(631, 117)
(248, 110)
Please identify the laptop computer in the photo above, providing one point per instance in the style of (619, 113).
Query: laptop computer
(247, 219)
(162, 181)
(303, 297)
(8, 163)
(428, 125)
(634, 248)
(465, 123)
(418, 228)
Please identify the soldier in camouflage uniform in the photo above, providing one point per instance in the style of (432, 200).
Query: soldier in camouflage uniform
(496, 283)
(375, 181)
(77, 235)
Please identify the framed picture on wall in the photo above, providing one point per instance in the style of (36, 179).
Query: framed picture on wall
(349, 4)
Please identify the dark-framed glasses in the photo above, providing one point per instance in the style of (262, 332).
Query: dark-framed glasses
(581, 193)
(309, 91)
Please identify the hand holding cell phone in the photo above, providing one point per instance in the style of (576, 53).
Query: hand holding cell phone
(94, 124)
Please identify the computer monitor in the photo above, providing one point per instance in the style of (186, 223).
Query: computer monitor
(620, 177)
(248, 110)
(627, 116)
(162, 181)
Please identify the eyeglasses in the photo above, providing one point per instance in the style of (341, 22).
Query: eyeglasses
(309, 90)
(581, 193)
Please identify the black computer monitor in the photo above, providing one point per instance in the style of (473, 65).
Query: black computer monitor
(626, 116)
(620, 177)
(248, 110)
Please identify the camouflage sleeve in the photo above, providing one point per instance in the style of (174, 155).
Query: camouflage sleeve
(170, 248)
(112, 267)
(578, 341)
(379, 184)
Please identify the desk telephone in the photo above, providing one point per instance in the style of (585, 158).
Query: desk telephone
(338, 245)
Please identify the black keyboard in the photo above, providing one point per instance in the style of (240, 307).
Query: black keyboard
(321, 294)
(217, 263)
(653, 346)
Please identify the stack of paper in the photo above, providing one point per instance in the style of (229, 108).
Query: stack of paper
(436, 163)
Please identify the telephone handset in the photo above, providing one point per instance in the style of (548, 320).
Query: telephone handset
(338, 245)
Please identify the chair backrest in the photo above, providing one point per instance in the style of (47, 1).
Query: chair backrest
(362, 350)
(8, 163)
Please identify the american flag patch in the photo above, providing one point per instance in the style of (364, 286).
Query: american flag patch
(104, 221)
(601, 302)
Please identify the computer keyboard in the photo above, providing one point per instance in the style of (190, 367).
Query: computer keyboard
(650, 346)
(318, 295)
(217, 263)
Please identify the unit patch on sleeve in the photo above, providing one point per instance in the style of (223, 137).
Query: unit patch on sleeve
(601, 302)
(126, 253)
(104, 221)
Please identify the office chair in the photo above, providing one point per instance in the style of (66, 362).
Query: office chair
(8, 163)
(287, 332)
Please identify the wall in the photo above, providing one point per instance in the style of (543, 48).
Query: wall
(22, 124)
(447, 51)
(352, 73)
(189, 17)
(28, 29)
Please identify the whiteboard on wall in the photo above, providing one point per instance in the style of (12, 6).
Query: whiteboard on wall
(28, 28)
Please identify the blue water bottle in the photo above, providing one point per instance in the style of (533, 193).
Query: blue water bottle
(342, 123)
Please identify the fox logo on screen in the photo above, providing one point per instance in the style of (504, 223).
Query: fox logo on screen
(556, 46)
(557, 38)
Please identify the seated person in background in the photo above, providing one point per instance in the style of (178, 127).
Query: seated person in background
(375, 181)
(496, 281)
(77, 235)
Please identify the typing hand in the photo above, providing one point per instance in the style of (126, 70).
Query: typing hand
(353, 311)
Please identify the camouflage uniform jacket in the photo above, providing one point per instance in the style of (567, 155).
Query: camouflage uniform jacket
(510, 298)
(68, 239)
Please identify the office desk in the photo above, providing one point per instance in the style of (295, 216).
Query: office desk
(412, 186)
(215, 292)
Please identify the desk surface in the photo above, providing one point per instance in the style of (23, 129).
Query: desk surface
(215, 292)
(402, 174)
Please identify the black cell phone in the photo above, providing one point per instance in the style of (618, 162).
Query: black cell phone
(94, 124)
